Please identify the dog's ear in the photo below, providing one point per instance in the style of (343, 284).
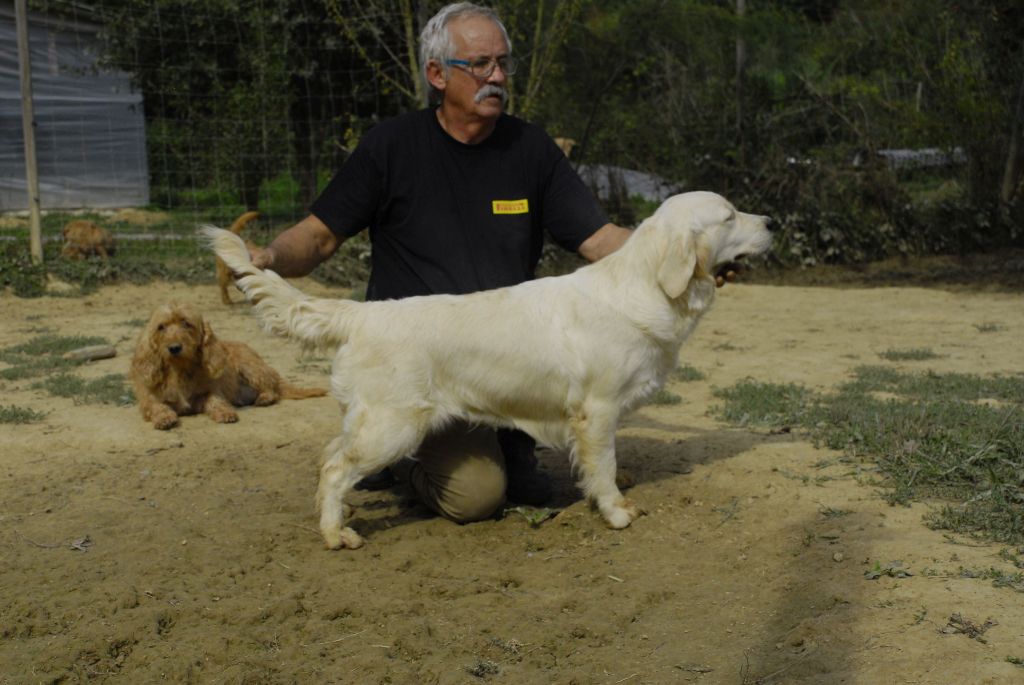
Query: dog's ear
(678, 258)
(147, 362)
(215, 357)
(701, 291)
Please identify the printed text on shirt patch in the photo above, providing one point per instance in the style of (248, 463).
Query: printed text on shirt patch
(511, 206)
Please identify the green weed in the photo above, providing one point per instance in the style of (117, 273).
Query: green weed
(41, 355)
(687, 374)
(15, 414)
(910, 355)
(932, 440)
(109, 389)
(663, 397)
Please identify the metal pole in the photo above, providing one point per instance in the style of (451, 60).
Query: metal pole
(28, 129)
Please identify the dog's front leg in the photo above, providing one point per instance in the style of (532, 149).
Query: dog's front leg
(594, 452)
(219, 409)
(336, 479)
(376, 437)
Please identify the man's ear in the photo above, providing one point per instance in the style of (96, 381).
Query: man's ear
(678, 259)
(436, 75)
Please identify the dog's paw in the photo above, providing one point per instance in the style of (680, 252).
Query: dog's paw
(622, 514)
(224, 417)
(165, 421)
(342, 538)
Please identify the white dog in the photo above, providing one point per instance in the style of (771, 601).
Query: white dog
(561, 358)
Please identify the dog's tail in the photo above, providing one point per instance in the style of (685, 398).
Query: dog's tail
(282, 308)
(242, 221)
(294, 392)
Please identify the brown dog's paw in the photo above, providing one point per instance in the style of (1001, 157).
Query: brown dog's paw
(224, 417)
(165, 420)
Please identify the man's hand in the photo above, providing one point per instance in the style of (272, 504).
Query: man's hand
(262, 257)
(298, 250)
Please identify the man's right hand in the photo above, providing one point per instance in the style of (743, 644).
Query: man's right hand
(262, 257)
(298, 250)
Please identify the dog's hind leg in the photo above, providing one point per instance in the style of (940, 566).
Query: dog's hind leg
(593, 431)
(379, 438)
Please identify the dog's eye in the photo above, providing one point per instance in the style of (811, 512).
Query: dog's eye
(160, 327)
(187, 325)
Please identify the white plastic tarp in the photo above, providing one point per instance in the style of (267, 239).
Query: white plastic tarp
(90, 130)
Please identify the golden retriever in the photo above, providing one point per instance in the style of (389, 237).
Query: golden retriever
(561, 358)
(180, 367)
(224, 278)
(84, 238)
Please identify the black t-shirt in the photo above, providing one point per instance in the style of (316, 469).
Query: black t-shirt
(445, 217)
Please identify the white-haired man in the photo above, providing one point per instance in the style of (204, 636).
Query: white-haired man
(457, 198)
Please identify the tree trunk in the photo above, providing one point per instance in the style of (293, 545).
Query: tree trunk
(1011, 172)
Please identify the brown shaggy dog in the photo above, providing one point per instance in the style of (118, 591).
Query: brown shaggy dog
(83, 238)
(224, 278)
(180, 367)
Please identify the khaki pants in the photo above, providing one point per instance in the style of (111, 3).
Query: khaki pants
(459, 473)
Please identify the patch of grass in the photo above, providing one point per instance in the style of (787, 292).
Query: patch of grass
(109, 389)
(42, 354)
(931, 441)
(987, 327)
(663, 397)
(932, 386)
(910, 355)
(752, 403)
(1014, 581)
(14, 414)
(688, 374)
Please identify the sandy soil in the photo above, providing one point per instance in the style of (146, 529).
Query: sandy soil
(138, 556)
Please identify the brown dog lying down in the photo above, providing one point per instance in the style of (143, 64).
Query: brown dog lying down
(83, 238)
(224, 278)
(180, 367)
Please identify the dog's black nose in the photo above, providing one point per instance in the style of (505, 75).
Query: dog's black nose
(768, 221)
(174, 349)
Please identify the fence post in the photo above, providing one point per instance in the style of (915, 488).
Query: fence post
(28, 128)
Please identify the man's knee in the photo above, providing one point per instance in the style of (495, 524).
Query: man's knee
(475, 492)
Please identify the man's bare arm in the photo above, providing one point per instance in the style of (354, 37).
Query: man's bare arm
(603, 242)
(299, 249)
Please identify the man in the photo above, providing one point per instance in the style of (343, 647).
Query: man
(457, 198)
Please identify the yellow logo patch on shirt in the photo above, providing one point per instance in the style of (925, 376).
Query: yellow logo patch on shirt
(511, 206)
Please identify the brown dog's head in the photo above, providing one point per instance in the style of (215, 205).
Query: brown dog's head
(177, 336)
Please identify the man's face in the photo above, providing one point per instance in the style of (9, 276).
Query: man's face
(473, 38)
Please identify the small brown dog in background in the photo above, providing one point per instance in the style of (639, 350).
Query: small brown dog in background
(224, 278)
(180, 367)
(83, 238)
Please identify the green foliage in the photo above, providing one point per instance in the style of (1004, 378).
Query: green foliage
(42, 354)
(109, 389)
(913, 354)
(935, 440)
(664, 397)
(17, 415)
(688, 374)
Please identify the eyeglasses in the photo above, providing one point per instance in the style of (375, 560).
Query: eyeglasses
(483, 67)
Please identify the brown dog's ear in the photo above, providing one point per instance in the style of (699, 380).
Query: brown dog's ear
(215, 358)
(677, 260)
(147, 362)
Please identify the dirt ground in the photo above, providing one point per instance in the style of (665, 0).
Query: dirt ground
(139, 556)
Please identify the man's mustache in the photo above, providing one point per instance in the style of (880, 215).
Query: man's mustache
(489, 90)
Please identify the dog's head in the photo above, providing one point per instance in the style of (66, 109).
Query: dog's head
(178, 336)
(697, 235)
